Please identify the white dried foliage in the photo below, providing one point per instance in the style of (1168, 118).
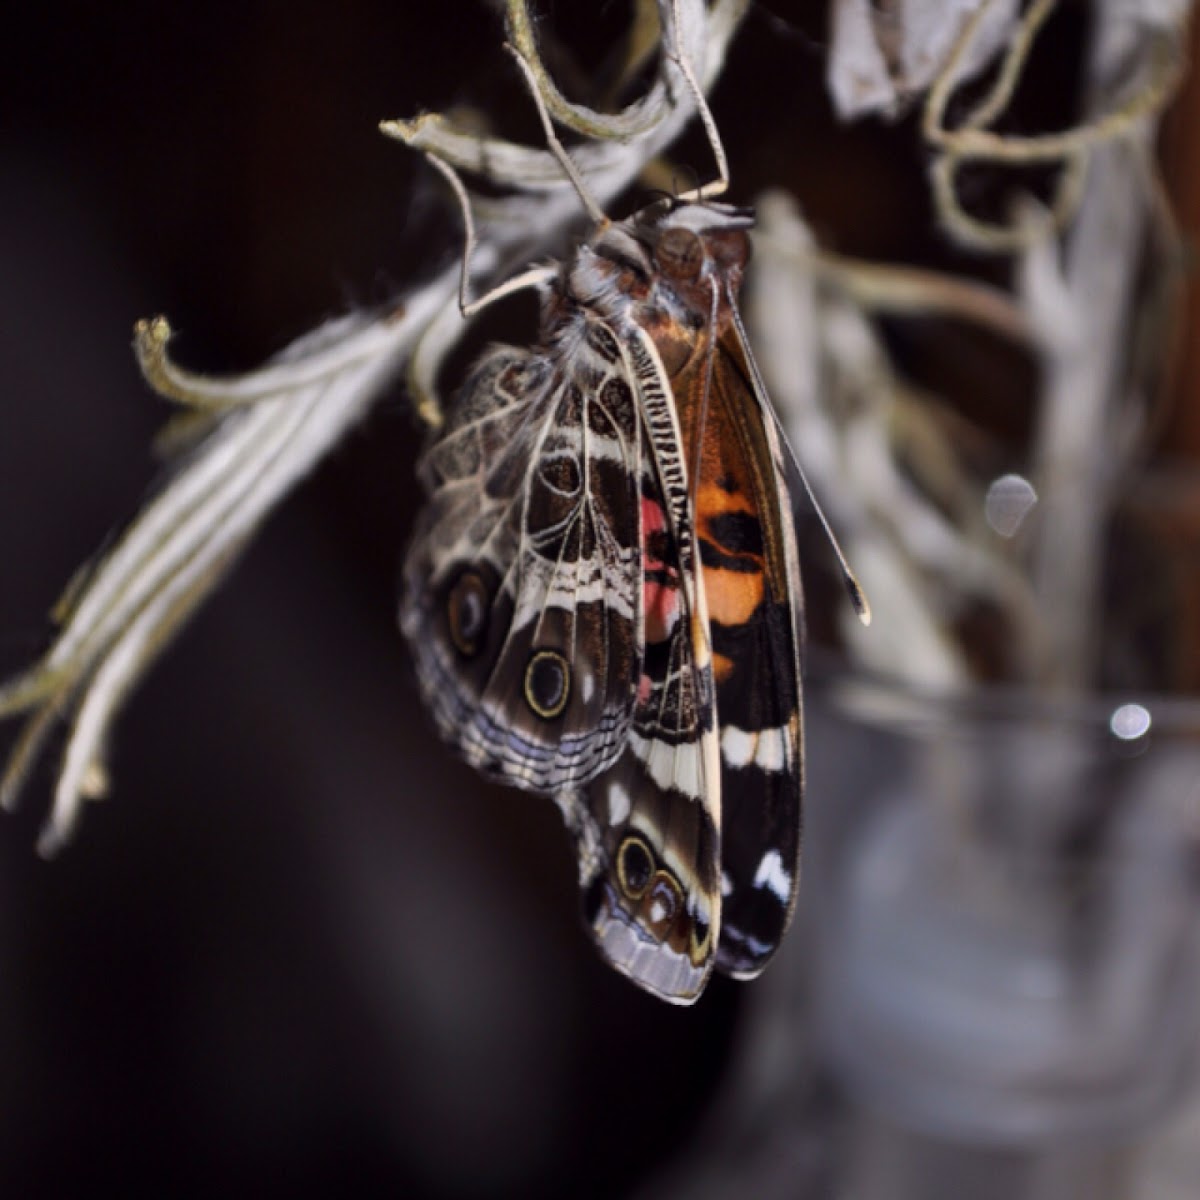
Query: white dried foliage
(884, 55)
(922, 545)
(1132, 69)
(273, 425)
(1081, 270)
(830, 377)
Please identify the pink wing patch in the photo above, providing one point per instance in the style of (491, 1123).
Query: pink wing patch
(660, 576)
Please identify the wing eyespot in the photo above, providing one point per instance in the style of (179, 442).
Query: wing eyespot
(662, 904)
(468, 605)
(700, 937)
(635, 867)
(547, 683)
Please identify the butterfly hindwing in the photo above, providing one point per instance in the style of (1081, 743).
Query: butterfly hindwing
(648, 864)
(553, 605)
(521, 585)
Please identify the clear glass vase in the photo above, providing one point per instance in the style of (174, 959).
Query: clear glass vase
(1007, 949)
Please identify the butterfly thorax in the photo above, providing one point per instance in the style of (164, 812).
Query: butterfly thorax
(673, 269)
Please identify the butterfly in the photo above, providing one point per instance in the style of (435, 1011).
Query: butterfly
(602, 593)
(603, 600)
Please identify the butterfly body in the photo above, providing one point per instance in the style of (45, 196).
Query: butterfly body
(603, 598)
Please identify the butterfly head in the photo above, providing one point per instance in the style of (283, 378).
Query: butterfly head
(685, 237)
(666, 259)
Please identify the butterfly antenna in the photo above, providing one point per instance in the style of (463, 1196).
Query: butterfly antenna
(696, 187)
(719, 185)
(858, 597)
(559, 151)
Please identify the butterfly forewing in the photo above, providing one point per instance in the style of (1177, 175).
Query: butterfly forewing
(755, 606)
(750, 576)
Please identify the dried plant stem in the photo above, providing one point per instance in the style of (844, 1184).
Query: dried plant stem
(1079, 456)
(182, 543)
(846, 410)
(172, 382)
(1120, 117)
(635, 120)
(909, 291)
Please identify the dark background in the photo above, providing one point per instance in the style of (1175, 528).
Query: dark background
(300, 947)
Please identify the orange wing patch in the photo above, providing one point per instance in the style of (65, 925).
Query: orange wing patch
(728, 522)
(732, 559)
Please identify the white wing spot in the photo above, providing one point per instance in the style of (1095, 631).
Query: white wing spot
(737, 746)
(679, 767)
(772, 750)
(766, 749)
(772, 875)
(618, 804)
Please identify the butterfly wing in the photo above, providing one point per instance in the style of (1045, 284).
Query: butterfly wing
(755, 607)
(521, 586)
(647, 829)
(555, 616)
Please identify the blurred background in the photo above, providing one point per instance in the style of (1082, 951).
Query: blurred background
(301, 947)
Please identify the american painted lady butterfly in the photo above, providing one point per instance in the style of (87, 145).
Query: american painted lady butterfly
(603, 595)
